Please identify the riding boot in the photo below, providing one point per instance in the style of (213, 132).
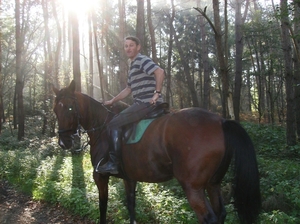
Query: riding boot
(114, 154)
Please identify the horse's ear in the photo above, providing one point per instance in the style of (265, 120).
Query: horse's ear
(55, 90)
(72, 86)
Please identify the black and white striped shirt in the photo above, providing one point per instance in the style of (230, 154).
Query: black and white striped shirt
(141, 78)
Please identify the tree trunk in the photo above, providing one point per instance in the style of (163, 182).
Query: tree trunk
(140, 25)
(297, 68)
(248, 86)
(205, 61)
(170, 49)
(221, 57)
(100, 68)
(122, 31)
(57, 53)
(66, 53)
(1, 89)
(76, 51)
(47, 66)
(239, 45)
(151, 31)
(262, 81)
(257, 70)
(90, 83)
(287, 51)
(19, 78)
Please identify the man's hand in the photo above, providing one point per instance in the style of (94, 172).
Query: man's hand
(154, 98)
(108, 103)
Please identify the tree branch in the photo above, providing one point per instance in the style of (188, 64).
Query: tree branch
(203, 13)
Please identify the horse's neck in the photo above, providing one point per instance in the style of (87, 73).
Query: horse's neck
(92, 113)
(94, 119)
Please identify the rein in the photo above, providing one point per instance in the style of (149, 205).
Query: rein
(103, 125)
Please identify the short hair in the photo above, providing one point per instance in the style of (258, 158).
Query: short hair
(134, 39)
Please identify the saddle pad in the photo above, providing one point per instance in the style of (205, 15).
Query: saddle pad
(139, 131)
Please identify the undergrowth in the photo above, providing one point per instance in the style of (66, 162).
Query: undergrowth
(40, 168)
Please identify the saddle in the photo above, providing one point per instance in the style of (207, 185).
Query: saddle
(132, 133)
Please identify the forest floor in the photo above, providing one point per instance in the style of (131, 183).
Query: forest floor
(18, 208)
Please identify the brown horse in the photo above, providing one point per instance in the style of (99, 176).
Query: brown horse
(192, 145)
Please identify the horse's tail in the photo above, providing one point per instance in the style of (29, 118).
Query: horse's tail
(246, 192)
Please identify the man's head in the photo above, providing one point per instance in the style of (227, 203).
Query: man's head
(134, 39)
(132, 46)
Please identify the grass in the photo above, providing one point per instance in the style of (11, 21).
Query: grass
(40, 168)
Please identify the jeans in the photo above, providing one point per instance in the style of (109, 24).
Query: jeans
(135, 112)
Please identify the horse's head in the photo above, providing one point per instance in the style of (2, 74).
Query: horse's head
(66, 110)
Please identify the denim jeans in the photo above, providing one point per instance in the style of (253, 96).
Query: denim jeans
(135, 112)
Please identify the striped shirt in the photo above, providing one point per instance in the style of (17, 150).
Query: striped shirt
(141, 79)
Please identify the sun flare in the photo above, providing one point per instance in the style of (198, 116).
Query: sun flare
(79, 6)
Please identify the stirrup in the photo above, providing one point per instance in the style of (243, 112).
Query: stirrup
(97, 166)
(100, 169)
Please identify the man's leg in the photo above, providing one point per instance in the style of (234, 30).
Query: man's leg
(112, 166)
(133, 113)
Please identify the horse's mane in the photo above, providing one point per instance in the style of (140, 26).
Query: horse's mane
(116, 108)
(95, 105)
(90, 98)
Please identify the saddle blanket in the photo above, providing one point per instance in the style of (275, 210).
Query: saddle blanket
(139, 131)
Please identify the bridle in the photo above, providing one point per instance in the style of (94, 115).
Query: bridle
(79, 130)
(63, 131)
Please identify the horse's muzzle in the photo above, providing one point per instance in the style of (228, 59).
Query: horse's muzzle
(66, 142)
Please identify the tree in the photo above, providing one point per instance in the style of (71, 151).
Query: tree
(48, 64)
(239, 45)
(151, 31)
(122, 31)
(170, 49)
(1, 80)
(195, 55)
(75, 50)
(265, 64)
(19, 77)
(205, 63)
(221, 46)
(57, 52)
(287, 51)
(90, 78)
(140, 25)
(297, 65)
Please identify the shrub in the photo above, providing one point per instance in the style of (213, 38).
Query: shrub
(39, 167)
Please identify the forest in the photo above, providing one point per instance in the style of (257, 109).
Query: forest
(241, 57)
(237, 58)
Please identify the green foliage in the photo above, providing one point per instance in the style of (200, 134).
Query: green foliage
(280, 183)
(270, 141)
(38, 167)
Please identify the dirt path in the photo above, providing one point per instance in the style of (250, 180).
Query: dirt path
(17, 208)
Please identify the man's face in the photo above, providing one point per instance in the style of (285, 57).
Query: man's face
(131, 49)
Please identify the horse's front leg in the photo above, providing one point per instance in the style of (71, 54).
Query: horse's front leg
(130, 187)
(102, 185)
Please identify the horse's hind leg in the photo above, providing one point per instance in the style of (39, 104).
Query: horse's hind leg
(200, 205)
(216, 202)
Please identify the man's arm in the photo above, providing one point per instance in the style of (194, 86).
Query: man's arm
(123, 94)
(159, 75)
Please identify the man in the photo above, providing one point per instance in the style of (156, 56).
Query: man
(145, 80)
